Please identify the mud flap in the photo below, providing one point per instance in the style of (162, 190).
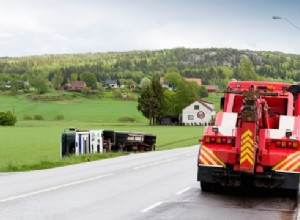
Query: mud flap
(205, 173)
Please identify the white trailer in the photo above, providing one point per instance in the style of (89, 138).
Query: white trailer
(96, 141)
(82, 145)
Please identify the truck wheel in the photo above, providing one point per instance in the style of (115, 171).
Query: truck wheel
(109, 135)
(206, 187)
(120, 140)
(293, 193)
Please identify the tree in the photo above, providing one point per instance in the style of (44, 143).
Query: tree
(247, 71)
(151, 101)
(90, 79)
(169, 102)
(146, 103)
(74, 77)
(14, 87)
(173, 77)
(40, 83)
(101, 89)
(57, 79)
(145, 82)
(236, 73)
(186, 93)
(203, 92)
(159, 95)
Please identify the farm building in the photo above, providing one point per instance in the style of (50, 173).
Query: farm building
(75, 85)
(196, 80)
(199, 112)
(111, 83)
(211, 88)
(169, 120)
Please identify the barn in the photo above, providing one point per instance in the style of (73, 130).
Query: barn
(199, 112)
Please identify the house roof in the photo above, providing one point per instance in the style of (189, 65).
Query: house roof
(111, 81)
(203, 102)
(77, 84)
(197, 80)
(211, 87)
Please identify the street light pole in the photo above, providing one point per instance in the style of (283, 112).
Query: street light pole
(291, 23)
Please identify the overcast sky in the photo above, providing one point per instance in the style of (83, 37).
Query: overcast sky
(37, 27)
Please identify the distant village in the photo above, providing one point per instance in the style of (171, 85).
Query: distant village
(200, 112)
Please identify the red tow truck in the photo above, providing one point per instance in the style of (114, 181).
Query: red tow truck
(255, 139)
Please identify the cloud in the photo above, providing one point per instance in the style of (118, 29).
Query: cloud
(38, 27)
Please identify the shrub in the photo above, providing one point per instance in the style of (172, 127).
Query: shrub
(7, 118)
(27, 117)
(127, 119)
(38, 117)
(59, 117)
(131, 98)
(86, 91)
(116, 93)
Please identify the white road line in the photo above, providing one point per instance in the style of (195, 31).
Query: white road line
(155, 163)
(151, 207)
(183, 191)
(54, 188)
(192, 154)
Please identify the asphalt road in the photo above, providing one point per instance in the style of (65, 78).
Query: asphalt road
(152, 185)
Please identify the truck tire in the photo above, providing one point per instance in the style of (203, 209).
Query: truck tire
(150, 148)
(153, 147)
(121, 139)
(109, 135)
(206, 187)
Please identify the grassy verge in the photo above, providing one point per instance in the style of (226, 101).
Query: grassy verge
(35, 145)
(46, 164)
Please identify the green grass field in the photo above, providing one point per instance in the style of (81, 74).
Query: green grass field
(35, 144)
(100, 110)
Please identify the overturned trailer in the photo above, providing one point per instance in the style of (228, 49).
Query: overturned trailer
(78, 142)
(135, 141)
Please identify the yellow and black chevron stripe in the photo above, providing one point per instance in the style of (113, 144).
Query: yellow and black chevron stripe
(208, 157)
(289, 164)
(247, 148)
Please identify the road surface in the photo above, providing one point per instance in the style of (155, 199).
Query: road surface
(152, 185)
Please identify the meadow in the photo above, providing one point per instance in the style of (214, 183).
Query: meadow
(35, 144)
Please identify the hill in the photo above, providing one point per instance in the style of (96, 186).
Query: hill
(213, 65)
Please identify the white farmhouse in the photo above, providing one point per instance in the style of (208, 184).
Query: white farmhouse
(199, 112)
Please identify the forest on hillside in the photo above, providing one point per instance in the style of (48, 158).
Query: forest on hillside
(214, 66)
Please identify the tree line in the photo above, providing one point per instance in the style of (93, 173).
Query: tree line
(213, 66)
